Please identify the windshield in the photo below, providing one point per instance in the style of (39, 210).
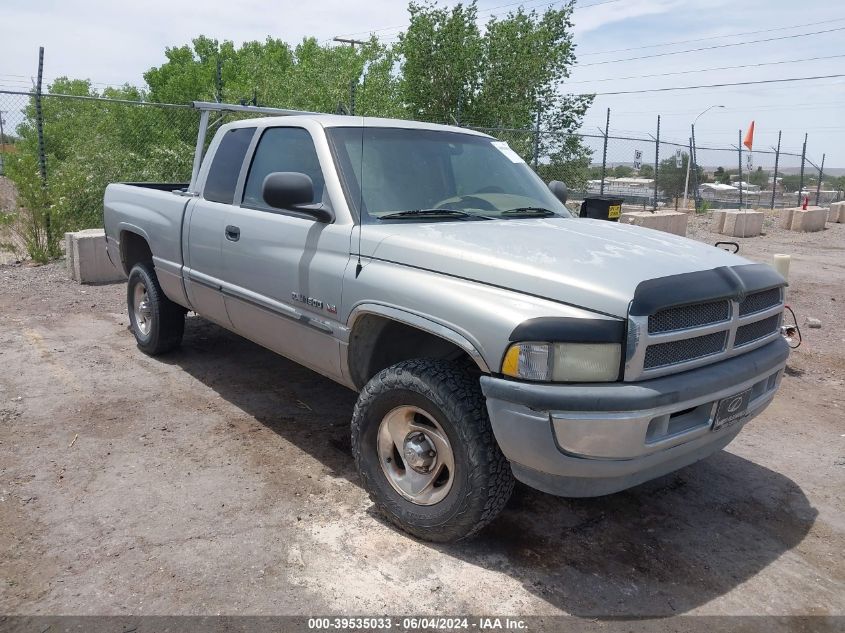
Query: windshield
(392, 174)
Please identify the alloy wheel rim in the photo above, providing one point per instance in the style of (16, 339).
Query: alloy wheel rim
(142, 309)
(415, 455)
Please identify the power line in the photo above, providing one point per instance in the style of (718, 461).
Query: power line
(746, 108)
(708, 48)
(704, 70)
(737, 83)
(712, 37)
(833, 86)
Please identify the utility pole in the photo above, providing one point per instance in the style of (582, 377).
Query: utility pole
(691, 160)
(353, 84)
(351, 42)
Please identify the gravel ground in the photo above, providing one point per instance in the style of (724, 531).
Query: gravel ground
(219, 479)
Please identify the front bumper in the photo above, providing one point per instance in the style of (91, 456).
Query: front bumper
(594, 439)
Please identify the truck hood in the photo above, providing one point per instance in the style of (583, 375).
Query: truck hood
(592, 264)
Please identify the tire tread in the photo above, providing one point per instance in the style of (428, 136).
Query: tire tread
(458, 394)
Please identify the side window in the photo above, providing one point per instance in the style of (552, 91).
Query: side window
(283, 149)
(226, 165)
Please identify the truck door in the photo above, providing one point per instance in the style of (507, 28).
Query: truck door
(283, 270)
(205, 227)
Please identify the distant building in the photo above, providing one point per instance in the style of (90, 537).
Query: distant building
(623, 187)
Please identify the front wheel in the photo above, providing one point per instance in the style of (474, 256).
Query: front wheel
(157, 322)
(426, 453)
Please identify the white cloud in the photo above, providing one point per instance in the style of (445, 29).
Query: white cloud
(593, 18)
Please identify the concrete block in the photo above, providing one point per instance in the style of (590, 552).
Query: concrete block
(666, 221)
(90, 262)
(678, 223)
(717, 221)
(743, 223)
(786, 217)
(69, 254)
(809, 219)
(837, 212)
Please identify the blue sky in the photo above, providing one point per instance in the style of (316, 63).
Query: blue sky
(114, 42)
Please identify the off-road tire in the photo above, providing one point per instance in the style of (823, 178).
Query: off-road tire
(167, 323)
(483, 481)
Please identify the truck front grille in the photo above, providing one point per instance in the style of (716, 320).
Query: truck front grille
(684, 317)
(759, 301)
(663, 354)
(678, 338)
(754, 331)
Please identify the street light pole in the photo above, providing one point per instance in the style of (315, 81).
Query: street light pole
(689, 158)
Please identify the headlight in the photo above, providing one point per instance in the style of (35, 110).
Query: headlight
(563, 362)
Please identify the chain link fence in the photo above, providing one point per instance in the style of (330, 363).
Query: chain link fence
(91, 141)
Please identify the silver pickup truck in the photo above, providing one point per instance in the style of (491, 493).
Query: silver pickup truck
(490, 334)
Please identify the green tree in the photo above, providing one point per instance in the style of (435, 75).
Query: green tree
(759, 177)
(623, 171)
(646, 171)
(791, 182)
(505, 77)
(671, 178)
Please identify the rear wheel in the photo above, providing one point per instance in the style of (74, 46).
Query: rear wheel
(426, 453)
(157, 322)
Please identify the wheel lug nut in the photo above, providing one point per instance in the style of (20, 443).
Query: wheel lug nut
(431, 453)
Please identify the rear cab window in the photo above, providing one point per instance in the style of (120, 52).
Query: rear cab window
(226, 165)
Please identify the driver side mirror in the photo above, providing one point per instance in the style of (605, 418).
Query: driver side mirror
(559, 190)
(293, 191)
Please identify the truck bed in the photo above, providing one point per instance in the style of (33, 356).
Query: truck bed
(153, 211)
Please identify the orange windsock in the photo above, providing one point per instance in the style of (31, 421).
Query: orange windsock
(748, 141)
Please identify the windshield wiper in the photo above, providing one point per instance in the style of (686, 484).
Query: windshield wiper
(431, 213)
(529, 211)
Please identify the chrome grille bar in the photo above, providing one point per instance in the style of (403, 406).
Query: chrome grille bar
(710, 335)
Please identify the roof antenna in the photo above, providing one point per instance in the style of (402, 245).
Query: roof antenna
(359, 267)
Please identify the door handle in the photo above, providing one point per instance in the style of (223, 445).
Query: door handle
(233, 233)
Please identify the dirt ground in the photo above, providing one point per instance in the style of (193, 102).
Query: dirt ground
(219, 480)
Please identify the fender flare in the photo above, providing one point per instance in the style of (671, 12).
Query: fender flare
(421, 323)
(126, 227)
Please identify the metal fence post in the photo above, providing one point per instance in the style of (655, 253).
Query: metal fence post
(819, 184)
(693, 157)
(604, 153)
(218, 80)
(656, 160)
(801, 179)
(459, 107)
(537, 138)
(42, 156)
(739, 148)
(775, 175)
(353, 86)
